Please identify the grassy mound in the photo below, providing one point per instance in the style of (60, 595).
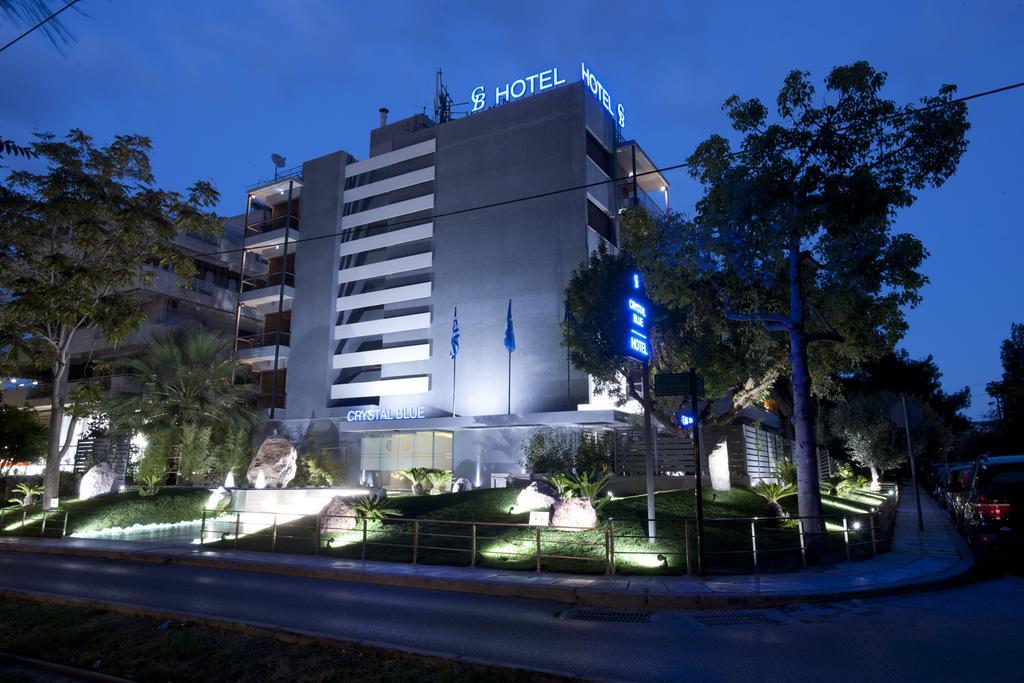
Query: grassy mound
(104, 512)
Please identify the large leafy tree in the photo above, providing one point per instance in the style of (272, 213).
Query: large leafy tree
(794, 232)
(22, 439)
(1008, 392)
(74, 238)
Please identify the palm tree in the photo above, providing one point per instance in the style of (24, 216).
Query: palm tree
(186, 377)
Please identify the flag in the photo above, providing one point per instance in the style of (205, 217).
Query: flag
(455, 335)
(510, 335)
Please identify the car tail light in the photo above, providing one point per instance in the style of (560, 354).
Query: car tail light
(992, 511)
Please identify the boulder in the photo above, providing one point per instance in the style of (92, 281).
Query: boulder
(276, 459)
(337, 515)
(574, 512)
(97, 481)
(219, 497)
(461, 484)
(539, 495)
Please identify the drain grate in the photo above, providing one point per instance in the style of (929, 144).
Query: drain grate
(610, 615)
(733, 618)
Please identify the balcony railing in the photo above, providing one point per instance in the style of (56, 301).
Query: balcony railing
(264, 401)
(271, 224)
(254, 341)
(269, 280)
(643, 199)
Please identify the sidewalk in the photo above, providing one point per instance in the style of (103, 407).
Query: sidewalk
(936, 557)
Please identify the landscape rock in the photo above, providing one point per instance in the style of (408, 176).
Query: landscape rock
(219, 497)
(337, 515)
(277, 459)
(461, 484)
(97, 481)
(574, 512)
(539, 495)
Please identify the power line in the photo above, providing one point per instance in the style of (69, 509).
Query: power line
(576, 188)
(49, 18)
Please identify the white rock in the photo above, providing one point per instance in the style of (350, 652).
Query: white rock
(97, 481)
(218, 497)
(277, 460)
(337, 515)
(461, 484)
(539, 495)
(229, 481)
(574, 512)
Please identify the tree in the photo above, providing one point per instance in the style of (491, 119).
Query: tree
(794, 230)
(186, 377)
(75, 238)
(1008, 392)
(22, 439)
(687, 329)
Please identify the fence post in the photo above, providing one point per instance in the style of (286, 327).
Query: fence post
(64, 530)
(611, 543)
(42, 529)
(537, 529)
(803, 545)
(364, 538)
(846, 537)
(686, 543)
(316, 532)
(2, 512)
(202, 528)
(415, 539)
(874, 541)
(24, 514)
(753, 540)
(238, 527)
(472, 550)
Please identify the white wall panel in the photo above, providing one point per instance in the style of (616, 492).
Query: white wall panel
(386, 387)
(382, 268)
(384, 296)
(400, 354)
(423, 175)
(388, 239)
(401, 323)
(383, 213)
(390, 158)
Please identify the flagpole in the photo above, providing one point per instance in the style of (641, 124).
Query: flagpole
(509, 382)
(454, 361)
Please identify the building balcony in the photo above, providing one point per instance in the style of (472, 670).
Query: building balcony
(270, 244)
(259, 350)
(268, 291)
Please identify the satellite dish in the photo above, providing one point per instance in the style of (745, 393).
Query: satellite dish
(278, 160)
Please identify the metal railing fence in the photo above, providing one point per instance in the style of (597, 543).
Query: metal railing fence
(19, 521)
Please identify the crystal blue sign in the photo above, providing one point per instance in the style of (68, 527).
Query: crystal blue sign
(638, 344)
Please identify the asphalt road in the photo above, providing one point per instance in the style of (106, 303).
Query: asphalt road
(967, 633)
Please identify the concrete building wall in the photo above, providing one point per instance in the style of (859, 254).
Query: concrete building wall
(316, 267)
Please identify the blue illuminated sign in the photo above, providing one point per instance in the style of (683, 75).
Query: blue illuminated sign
(637, 341)
(374, 414)
(545, 80)
(684, 420)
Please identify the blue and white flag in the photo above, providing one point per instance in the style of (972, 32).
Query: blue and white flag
(510, 335)
(455, 336)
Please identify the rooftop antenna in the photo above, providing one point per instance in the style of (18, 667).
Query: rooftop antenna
(442, 100)
(278, 163)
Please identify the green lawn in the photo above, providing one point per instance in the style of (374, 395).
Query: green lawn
(103, 512)
(426, 521)
(147, 649)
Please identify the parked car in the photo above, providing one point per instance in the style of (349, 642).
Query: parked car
(992, 504)
(957, 478)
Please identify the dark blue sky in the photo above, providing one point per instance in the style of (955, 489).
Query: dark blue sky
(221, 85)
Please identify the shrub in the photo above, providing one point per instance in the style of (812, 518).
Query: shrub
(149, 484)
(28, 492)
(774, 492)
(374, 509)
(785, 472)
(573, 451)
(440, 481)
(320, 467)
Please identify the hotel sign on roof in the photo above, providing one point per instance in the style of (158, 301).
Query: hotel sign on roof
(545, 80)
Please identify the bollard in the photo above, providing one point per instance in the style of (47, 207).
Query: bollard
(364, 538)
(238, 526)
(803, 545)
(273, 536)
(472, 550)
(846, 537)
(538, 547)
(415, 539)
(753, 540)
(686, 543)
(874, 541)
(611, 543)
(202, 527)
(42, 529)
(64, 530)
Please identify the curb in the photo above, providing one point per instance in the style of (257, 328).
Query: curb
(249, 628)
(589, 596)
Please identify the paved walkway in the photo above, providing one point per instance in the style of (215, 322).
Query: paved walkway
(936, 557)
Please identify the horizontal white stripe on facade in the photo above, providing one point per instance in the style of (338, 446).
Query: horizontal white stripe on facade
(383, 213)
(386, 387)
(401, 354)
(401, 323)
(382, 268)
(390, 158)
(388, 239)
(384, 296)
(423, 175)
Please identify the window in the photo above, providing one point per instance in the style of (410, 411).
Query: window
(598, 154)
(600, 222)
